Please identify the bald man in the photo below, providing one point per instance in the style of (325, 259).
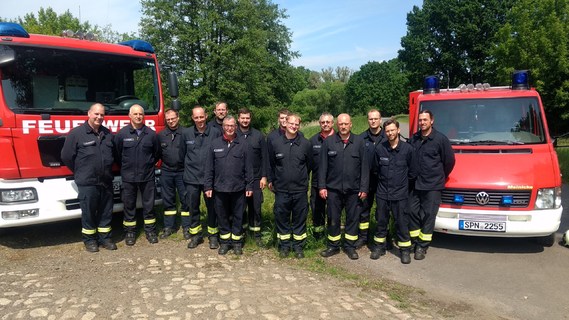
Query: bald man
(343, 180)
(138, 150)
(88, 153)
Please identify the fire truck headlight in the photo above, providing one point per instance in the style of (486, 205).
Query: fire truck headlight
(549, 198)
(18, 195)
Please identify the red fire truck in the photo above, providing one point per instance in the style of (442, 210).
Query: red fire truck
(47, 85)
(506, 181)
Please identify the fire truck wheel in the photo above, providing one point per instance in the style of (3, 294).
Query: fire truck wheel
(546, 241)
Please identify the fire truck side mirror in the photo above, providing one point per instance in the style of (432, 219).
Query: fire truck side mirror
(173, 84)
(173, 88)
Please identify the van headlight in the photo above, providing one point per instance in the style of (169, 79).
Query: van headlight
(9, 196)
(548, 198)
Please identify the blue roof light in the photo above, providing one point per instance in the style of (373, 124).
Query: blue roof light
(520, 80)
(138, 45)
(431, 84)
(13, 30)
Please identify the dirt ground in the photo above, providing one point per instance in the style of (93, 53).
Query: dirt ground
(45, 273)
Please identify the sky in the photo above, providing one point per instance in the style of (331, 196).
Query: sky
(326, 33)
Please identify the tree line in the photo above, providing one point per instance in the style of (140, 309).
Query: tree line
(240, 51)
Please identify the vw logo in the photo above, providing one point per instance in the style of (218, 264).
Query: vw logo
(482, 198)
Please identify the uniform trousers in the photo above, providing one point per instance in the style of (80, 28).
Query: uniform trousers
(399, 209)
(291, 212)
(96, 203)
(365, 213)
(193, 195)
(129, 195)
(229, 208)
(318, 208)
(252, 219)
(424, 206)
(172, 183)
(351, 203)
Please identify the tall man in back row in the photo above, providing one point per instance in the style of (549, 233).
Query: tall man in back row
(372, 137)
(318, 204)
(433, 163)
(138, 151)
(258, 158)
(88, 153)
(343, 179)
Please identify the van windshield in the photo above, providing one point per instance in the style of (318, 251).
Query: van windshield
(55, 81)
(500, 121)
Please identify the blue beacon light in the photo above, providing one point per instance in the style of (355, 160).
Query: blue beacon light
(431, 84)
(520, 80)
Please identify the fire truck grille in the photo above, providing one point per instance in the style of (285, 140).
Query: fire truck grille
(486, 198)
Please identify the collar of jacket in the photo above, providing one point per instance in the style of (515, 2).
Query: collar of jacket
(205, 132)
(133, 130)
(430, 136)
(296, 139)
(88, 129)
(339, 139)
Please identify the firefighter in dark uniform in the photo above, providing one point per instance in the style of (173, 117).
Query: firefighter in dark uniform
(372, 136)
(290, 158)
(393, 158)
(138, 150)
(433, 162)
(258, 157)
(88, 153)
(172, 177)
(283, 113)
(194, 147)
(317, 204)
(343, 179)
(229, 179)
(219, 112)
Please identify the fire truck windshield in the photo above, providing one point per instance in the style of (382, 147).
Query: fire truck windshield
(500, 121)
(56, 81)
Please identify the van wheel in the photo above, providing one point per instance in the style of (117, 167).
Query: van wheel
(546, 241)
(565, 240)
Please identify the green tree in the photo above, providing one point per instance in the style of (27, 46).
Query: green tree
(48, 22)
(378, 85)
(452, 39)
(235, 50)
(536, 37)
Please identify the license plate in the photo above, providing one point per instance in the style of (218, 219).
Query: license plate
(116, 187)
(482, 226)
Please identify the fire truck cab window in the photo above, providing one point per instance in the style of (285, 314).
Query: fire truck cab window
(43, 80)
(503, 121)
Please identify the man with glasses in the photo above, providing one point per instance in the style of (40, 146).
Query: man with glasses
(317, 204)
(228, 180)
(290, 159)
(172, 178)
